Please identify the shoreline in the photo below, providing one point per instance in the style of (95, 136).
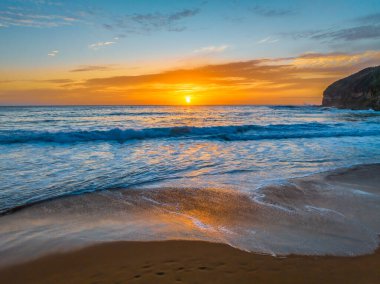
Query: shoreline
(189, 262)
(322, 214)
(322, 172)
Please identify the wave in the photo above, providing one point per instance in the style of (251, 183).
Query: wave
(227, 133)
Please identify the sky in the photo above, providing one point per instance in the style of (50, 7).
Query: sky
(163, 52)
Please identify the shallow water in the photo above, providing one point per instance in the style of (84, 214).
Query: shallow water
(50, 152)
(333, 213)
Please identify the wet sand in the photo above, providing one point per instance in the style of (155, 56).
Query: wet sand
(189, 262)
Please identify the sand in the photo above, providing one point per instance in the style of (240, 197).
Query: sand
(189, 262)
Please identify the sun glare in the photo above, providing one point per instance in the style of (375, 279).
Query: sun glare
(188, 99)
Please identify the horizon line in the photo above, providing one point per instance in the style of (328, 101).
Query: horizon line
(146, 105)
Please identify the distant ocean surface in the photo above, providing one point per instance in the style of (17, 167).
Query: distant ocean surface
(51, 152)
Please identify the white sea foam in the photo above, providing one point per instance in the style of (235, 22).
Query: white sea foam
(229, 133)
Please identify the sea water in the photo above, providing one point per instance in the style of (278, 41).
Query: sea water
(51, 152)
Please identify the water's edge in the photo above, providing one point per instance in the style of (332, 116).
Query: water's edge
(332, 213)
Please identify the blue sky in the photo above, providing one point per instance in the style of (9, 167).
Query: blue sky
(149, 30)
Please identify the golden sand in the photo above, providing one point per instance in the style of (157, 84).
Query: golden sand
(189, 262)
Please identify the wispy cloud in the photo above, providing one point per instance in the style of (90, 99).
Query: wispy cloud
(45, 2)
(100, 44)
(267, 40)
(53, 53)
(30, 18)
(212, 49)
(360, 28)
(334, 35)
(49, 14)
(149, 22)
(271, 12)
(337, 60)
(369, 19)
(58, 81)
(350, 34)
(89, 68)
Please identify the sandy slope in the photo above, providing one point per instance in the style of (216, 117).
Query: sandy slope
(189, 262)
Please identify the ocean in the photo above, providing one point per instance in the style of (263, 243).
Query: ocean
(82, 174)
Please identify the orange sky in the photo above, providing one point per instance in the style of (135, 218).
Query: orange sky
(295, 80)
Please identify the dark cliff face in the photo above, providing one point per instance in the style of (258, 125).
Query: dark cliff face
(358, 91)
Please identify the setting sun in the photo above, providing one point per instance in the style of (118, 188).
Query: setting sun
(188, 99)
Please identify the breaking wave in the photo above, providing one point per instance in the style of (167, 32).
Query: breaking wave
(228, 133)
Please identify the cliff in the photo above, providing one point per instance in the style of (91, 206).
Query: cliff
(358, 91)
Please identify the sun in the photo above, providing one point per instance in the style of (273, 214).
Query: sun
(188, 99)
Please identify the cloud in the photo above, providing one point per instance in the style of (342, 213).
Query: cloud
(44, 2)
(6, 81)
(212, 49)
(29, 18)
(89, 68)
(296, 35)
(59, 81)
(267, 40)
(53, 53)
(364, 28)
(369, 19)
(149, 22)
(292, 73)
(351, 34)
(49, 14)
(338, 60)
(163, 19)
(269, 12)
(286, 80)
(183, 14)
(97, 45)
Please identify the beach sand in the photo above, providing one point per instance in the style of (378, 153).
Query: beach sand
(189, 262)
